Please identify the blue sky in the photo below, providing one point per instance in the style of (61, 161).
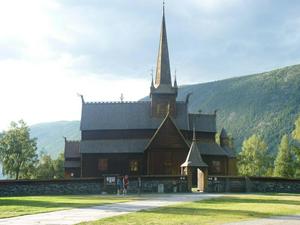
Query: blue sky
(50, 50)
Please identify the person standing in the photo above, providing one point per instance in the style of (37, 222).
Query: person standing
(125, 184)
(119, 185)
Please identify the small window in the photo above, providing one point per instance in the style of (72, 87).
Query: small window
(133, 165)
(216, 166)
(102, 164)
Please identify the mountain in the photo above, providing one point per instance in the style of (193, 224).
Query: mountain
(265, 103)
(50, 135)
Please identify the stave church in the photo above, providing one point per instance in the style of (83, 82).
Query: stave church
(151, 137)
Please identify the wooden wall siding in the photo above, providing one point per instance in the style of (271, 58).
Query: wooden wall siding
(211, 170)
(139, 133)
(166, 161)
(167, 150)
(160, 102)
(75, 171)
(117, 164)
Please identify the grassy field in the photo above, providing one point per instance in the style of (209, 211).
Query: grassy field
(214, 211)
(16, 206)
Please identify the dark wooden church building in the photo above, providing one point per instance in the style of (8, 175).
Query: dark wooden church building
(146, 137)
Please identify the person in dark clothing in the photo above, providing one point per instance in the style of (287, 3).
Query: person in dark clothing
(125, 184)
(119, 185)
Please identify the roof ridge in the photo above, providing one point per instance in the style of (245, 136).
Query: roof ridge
(72, 141)
(203, 114)
(117, 102)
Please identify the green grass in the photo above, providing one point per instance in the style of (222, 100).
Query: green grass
(17, 206)
(213, 211)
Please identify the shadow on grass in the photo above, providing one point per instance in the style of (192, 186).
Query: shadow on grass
(225, 200)
(49, 203)
(209, 212)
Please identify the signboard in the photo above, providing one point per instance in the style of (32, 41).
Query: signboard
(110, 180)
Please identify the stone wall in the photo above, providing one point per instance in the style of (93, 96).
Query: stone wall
(252, 184)
(50, 187)
(147, 184)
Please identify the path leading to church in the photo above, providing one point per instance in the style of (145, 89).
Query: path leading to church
(73, 216)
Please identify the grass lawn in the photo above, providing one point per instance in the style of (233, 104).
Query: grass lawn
(16, 206)
(213, 211)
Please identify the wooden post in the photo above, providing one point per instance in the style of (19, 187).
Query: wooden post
(189, 178)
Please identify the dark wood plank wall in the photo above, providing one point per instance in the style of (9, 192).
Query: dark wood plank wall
(167, 151)
(139, 134)
(117, 164)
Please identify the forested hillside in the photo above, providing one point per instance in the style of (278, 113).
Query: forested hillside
(265, 103)
(50, 135)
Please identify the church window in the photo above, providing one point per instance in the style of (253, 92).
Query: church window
(102, 164)
(133, 165)
(216, 166)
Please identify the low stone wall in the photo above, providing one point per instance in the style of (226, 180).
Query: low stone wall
(151, 184)
(142, 184)
(50, 187)
(252, 184)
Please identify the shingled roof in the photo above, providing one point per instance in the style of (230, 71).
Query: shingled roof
(114, 146)
(203, 122)
(211, 149)
(72, 164)
(72, 149)
(194, 158)
(137, 115)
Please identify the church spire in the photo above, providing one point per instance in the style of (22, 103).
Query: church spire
(163, 73)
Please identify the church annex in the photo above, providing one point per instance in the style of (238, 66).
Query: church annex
(152, 137)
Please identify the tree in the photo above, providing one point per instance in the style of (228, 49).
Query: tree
(59, 166)
(296, 131)
(296, 145)
(49, 168)
(45, 168)
(18, 151)
(284, 163)
(254, 159)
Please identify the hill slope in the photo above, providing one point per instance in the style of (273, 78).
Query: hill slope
(265, 103)
(50, 135)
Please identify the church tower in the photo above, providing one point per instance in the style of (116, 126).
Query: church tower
(163, 94)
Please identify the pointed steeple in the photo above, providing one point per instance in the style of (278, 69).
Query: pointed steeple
(194, 158)
(163, 73)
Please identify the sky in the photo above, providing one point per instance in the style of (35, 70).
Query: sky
(50, 50)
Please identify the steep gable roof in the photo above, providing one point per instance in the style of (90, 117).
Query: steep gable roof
(137, 115)
(162, 130)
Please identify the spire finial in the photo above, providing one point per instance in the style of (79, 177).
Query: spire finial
(194, 133)
(175, 79)
(163, 73)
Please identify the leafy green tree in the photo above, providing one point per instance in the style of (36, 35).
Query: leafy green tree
(284, 163)
(18, 151)
(296, 146)
(254, 159)
(59, 166)
(296, 131)
(49, 168)
(45, 168)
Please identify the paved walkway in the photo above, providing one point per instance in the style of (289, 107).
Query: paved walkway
(286, 220)
(73, 216)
